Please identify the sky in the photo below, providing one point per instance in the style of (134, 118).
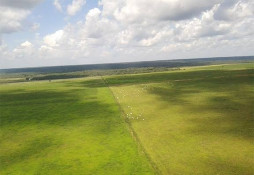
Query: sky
(36, 33)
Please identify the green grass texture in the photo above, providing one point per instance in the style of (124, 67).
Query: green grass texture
(195, 121)
(65, 127)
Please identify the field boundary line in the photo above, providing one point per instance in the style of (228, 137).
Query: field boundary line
(132, 131)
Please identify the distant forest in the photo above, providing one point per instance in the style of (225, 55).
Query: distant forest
(142, 64)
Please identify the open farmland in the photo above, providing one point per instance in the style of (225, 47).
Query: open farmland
(195, 121)
(65, 127)
(126, 87)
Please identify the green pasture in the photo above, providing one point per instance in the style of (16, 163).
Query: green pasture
(194, 121)
(65, 127)
(188, 121)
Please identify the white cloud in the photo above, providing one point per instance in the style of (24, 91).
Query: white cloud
(106, 39)
(75, 6)
(53, 40)
(13, 13)
(23, 50)
(11, 20)
(144, 30)
(96, 26)
(58, 5)
(26, 44)
(143, 10)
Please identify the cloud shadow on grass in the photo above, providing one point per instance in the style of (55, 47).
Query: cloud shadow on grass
(232, 108)
(217, 166)
(69, 108)
(33, 148)
(177, 76)
(50, 107)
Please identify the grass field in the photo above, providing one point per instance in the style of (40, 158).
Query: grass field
(197, 120)
(65, 127)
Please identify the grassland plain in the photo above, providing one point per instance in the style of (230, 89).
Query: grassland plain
(65, 127)
(195, 121)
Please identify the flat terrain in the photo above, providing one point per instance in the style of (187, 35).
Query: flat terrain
(65, 127)
(195, 121)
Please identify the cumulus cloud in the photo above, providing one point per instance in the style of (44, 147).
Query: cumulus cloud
(13, 13)
(142, 10)
(23, 50)
(26, 44)
(53, 40)
(75, 6)
(130, 30)
(101, 36)
(11, 20)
